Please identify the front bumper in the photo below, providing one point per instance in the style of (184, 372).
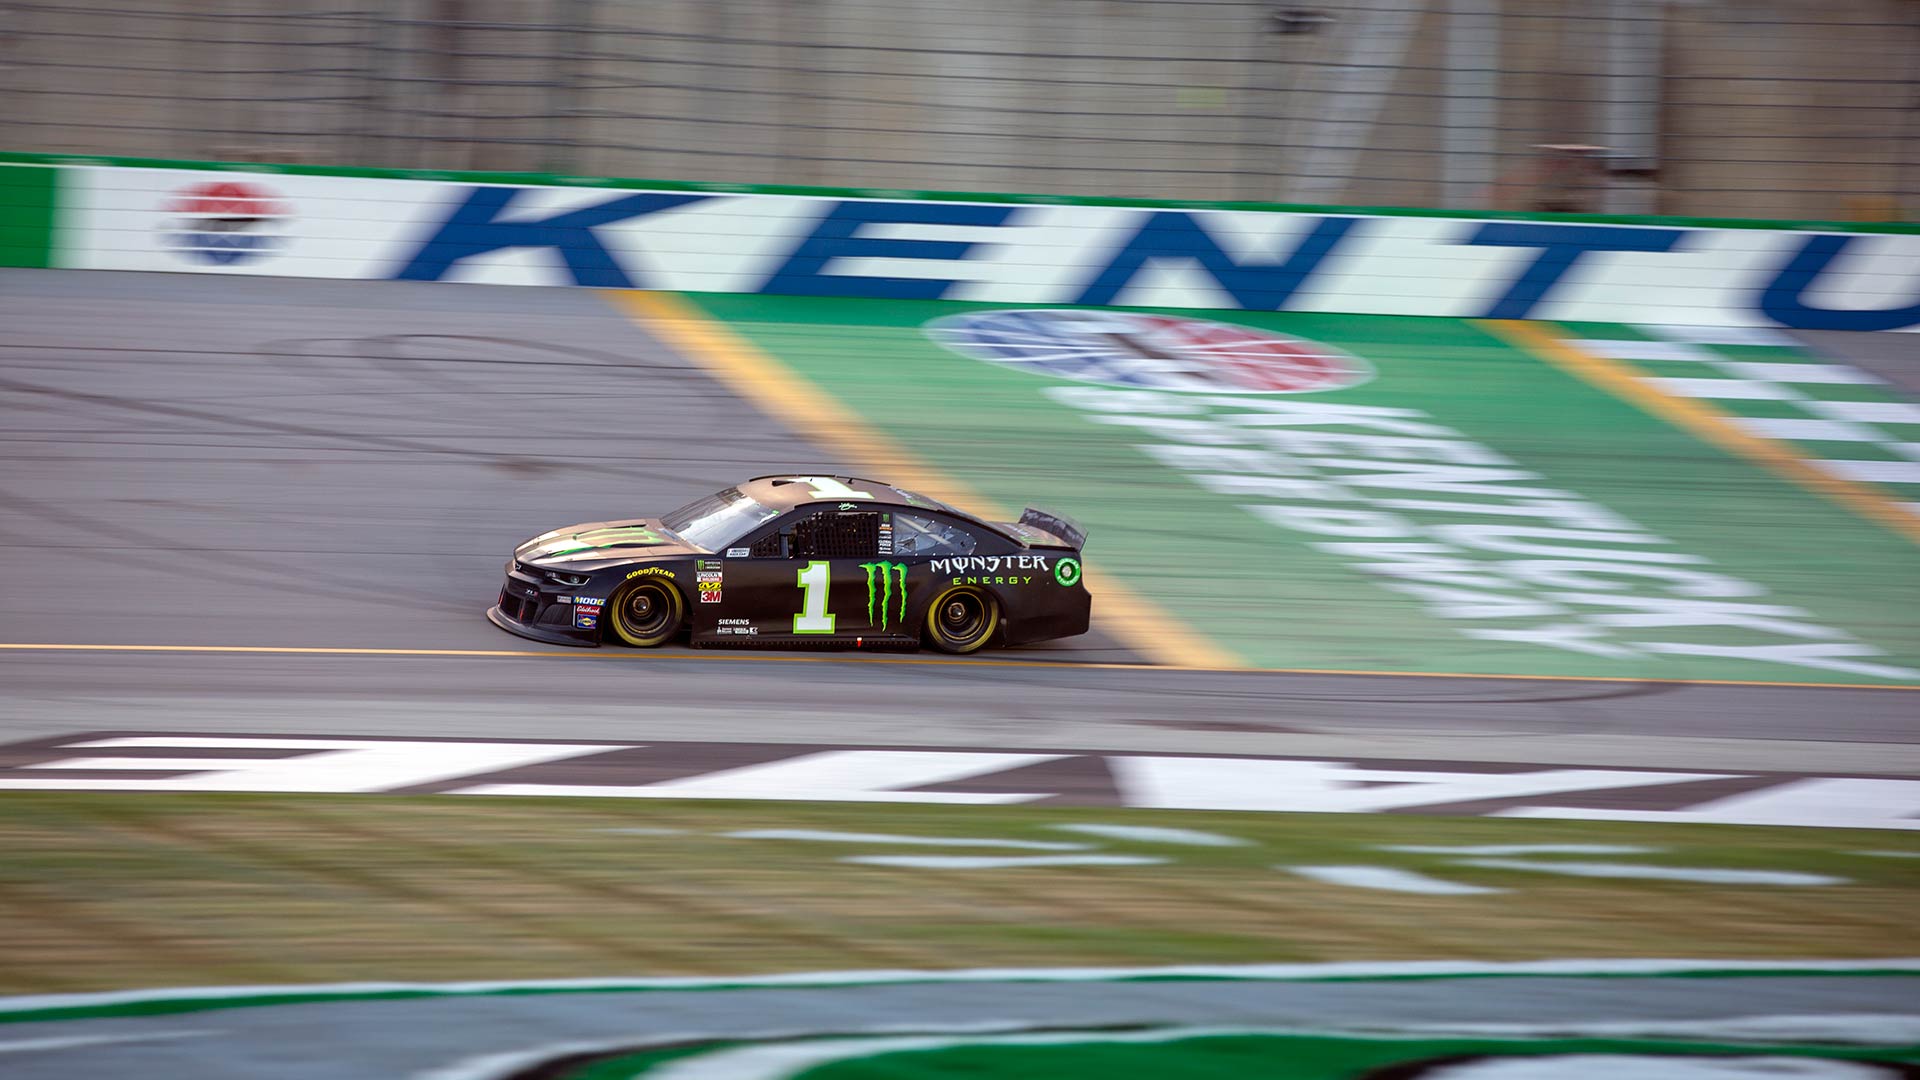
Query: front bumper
(537, 610)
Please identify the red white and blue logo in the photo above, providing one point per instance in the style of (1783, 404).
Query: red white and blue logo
(1149, 352)
(225, 222)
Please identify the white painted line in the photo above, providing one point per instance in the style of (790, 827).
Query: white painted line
(68, 1042)
(827, 776)
(1888, 854)
(1859, 1029)
(637, 831)
(1727, 389)
(331, 765)
(1874, 472)
(1519, 849)
(1153, 834)
(891, 838)
(1626, 349)
(1791, 428)
(999, 862)
(1286, 972)
(1721, 335)
(1868, 412)
(1388, 879)
(1800, 373)
(1702, 874)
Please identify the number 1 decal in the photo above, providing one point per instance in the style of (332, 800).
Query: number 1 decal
(813, 617)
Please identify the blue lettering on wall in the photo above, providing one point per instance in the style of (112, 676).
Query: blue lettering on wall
(474, 229)
(837, 236)
(1561, 247)
(1782, 301)
(1256, 286)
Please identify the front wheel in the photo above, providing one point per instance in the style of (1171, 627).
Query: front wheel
(646, 613)
(962, 619)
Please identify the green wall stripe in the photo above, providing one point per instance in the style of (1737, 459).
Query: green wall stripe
(27, 203)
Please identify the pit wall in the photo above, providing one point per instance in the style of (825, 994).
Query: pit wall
(520, 229)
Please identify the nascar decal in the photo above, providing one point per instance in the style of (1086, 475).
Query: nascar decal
(1152, 352)
(225, 222)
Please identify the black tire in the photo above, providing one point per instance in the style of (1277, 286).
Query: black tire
(646, 613)
(962, 620)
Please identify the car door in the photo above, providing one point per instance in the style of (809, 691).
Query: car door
(814, 575)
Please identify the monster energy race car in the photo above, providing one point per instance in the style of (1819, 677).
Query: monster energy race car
(801, 560)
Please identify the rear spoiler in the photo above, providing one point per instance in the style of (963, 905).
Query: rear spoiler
(1059, 525)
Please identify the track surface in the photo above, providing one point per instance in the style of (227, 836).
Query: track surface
(240, 461)
(425, 1039)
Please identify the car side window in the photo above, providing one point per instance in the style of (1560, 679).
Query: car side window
(837, 535)
(921, 534)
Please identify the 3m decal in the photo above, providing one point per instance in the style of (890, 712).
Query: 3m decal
(1152, 352)
(224, 222)
(1067, 572)
(885, 572)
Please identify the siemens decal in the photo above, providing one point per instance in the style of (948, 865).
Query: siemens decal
(423, 230)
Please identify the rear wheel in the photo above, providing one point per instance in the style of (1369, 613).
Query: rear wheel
(646, 613)
(962, 619)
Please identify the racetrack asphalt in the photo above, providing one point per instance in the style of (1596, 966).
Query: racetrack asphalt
(447, 1038)
(200, 461)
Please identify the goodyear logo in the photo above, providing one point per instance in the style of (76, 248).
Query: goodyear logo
(647, 570)
(885, 573)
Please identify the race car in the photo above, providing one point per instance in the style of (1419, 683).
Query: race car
(791, 561)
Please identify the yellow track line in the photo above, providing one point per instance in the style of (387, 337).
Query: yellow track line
(911, 661)
(785, 395)
(1706, 422)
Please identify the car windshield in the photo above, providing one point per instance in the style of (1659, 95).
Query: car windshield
(719, 519)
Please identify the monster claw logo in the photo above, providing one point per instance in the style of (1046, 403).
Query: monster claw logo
(225, 222)
(1067, 571)
(886, 572)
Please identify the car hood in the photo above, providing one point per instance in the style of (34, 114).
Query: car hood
(602, 543)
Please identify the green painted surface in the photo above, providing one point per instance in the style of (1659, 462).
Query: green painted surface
(27, 195)
(565, 180)
(1282, 1056)
(1808, 574)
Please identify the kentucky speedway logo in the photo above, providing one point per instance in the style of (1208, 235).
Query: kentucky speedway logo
(1154, 352)
(886, 571)
(225, 222)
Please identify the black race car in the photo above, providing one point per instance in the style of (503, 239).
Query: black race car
(801, 560)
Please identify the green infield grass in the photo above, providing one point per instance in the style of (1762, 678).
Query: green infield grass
(108, 891)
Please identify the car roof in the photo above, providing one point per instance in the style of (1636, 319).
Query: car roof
(786, 491)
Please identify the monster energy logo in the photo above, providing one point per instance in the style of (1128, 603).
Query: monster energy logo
(886, 570)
